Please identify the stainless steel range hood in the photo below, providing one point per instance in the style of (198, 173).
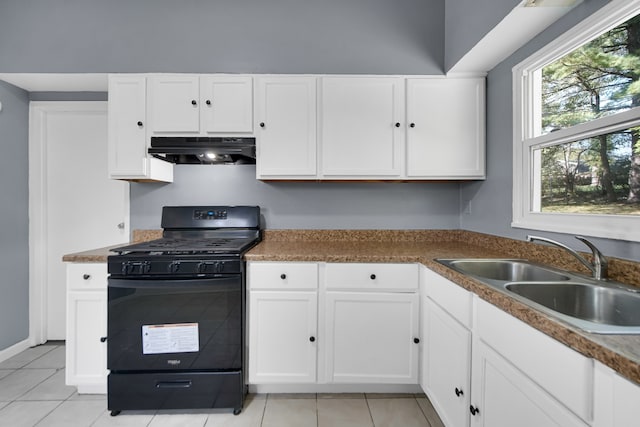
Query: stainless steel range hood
(204, 150)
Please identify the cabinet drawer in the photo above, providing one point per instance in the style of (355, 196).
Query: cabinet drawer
(283, 275)
(86, 276)
(372, 276)
(452, 298)
(564, 373)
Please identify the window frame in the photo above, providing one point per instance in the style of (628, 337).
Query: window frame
(526, 125)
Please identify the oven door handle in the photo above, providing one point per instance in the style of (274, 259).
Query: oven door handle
(174, 384)
(167, 282)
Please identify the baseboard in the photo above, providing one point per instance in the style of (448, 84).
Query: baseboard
(9, 352)
(335, 388)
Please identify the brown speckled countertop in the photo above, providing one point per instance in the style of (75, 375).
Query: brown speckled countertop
(619, 352)
(101, 254)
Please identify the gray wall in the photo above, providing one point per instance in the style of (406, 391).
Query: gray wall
(68, 96)
(468, 21)
(266, 36)
(299, 204)
(491, 200)
(14, 210)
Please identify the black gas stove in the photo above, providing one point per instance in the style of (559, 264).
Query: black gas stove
(196, 240)
(176, 310)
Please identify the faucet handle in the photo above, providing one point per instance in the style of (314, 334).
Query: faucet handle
(599, 260)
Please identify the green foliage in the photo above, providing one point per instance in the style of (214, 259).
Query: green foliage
(600, 78)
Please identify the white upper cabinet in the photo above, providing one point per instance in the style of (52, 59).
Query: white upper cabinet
(445, 128)
(174, 103)
(310, 127)
(286, 131)
(127, 132)
(226, 103)
(362, 127)
(188, 104)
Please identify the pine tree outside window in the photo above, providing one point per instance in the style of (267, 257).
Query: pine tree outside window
(577, 129)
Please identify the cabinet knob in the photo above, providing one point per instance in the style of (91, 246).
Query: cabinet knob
(474, 410)
(139, 124)
(103, 339)
(459, 392)
(372, 277)
(412, 125)
(208, 102)
(193, 102)
(283, 276)
(416, 340)
(261, 124)
(312, 339)
(86, 276)
(397, 124)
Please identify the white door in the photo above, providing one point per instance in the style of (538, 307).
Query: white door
(286, 116)
(362, 126)
(445, 128)
(447, 365)
(226, 103)
(503, 396)
(282, 337)
(74, 206)
(372, 337)
(173, 103)
(127, 127)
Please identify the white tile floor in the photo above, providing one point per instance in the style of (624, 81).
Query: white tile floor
(33, 393)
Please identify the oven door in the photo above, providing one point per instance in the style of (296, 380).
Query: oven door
(175, 324)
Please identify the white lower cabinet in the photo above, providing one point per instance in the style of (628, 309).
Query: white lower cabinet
(447, 365)
(283, 307)
(86, 352)
(616, 399)
(372, 337)
(503, 396)
(483, 367)
(344, 324)
(369, 319)
(282, 344)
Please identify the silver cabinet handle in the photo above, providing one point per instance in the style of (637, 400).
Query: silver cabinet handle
(121, 226)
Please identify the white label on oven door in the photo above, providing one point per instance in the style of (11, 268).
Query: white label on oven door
(171, 338)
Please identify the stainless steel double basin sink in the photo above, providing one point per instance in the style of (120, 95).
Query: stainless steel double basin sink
(596, 306)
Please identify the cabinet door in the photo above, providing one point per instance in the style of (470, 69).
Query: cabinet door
(362, 126)
(286, 113)
(503, 396)
(226, 103)
(446, 365)
(86, 355)
(446, 128)
(126, 124)
(371, 337)
(174, 104)
(282, 337)
(615, 400)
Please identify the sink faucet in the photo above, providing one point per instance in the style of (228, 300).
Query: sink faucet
(599, 266)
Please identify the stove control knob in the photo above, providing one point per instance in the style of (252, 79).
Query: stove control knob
(219, 267)
(174, 267)
(146, 267)
(127, 268)
(202, 267)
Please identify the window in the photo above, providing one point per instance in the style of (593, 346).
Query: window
(577, 129)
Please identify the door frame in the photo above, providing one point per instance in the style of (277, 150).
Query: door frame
(38, 207)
